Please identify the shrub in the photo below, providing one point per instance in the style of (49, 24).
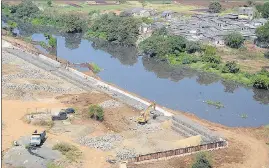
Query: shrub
(211, 59)
(214, 7)
(193, 47)
(262, 33)
(49, 3)
(209, 50)
(53, 165)
(230, 67)
(187, 58)
(202, 161)
(264, 10)
(261, 81)
(234, 40)
(70, 151)
(266, 54)
(73, 23)
(26, 9)
(161, 32)
(11, 25)
(97, 111)
(95, 68)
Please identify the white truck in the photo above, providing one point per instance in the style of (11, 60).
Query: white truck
(37, 138)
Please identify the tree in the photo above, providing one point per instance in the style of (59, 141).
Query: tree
(73, 23)
(49, 3)
(161, 31)
(250, 3)
(97, 111)
(264, 9)
(122, 1)
(143, 3)
(193, 47)
(234, 40)
(214, 7)
(202, 161)
(26, 9)
(262, 33)
(230, 67)
(11, 25)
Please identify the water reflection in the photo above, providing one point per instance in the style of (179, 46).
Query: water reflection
(126, 55)
(72, 41)
(261, 95)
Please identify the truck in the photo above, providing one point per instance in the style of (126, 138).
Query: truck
(62, 115)
(37, 138)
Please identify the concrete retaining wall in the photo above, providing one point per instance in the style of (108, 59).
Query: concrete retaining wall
(47, 59)
(177, 152)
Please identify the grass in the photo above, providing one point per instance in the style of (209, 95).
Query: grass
(218, 105)
(43, 122)
(95, 68)
(71, 152)
(244, 116)
(53, 165)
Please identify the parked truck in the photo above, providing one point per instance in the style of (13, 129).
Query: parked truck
(62, 115)
(37, 138)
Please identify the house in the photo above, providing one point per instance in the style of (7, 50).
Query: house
(248, 12)
(167, 14)
(141, 12)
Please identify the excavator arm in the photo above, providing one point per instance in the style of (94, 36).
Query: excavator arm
(145, 115)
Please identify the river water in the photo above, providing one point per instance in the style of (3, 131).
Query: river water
(176, 88)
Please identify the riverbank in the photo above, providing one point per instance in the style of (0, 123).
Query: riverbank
(243, 142)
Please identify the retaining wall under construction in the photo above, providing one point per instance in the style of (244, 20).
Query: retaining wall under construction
(177, 152)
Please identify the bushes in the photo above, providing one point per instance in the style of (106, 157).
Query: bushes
(26, 9)
(211, 59)
(95, 68)
(266, 54)
(96, 111)
(234, 40)
(193, 47)
(72, 23)
(261, 82)
(71, 152)
(202, 161)
(262, 33)
(230, 67)
(263, 9)
(214, 7)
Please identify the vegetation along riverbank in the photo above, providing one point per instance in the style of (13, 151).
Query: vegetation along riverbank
(124, 29)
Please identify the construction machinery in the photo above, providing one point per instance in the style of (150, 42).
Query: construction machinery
(37, 138)
(145, 115)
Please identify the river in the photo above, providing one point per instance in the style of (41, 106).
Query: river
(176, 88)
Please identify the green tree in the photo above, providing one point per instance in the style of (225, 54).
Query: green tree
(262, 33)
(202, 161)
(52, 40)
(264, 9)
(234, 40)
(214, 7)
(193, 47)
(26, 9)
(143, 3)
(122, 1)
(266, 54)
(72, 23)
(49, 3)
(11, 25)
(161, 32)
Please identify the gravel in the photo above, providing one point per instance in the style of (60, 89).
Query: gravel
(125, 154)
(110, 104)
(106, 142)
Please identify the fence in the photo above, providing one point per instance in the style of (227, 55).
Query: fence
(178, 152)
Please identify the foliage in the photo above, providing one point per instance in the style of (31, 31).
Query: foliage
(49, 3)
(26, 9)
(209, 50)
(95, 68)
(211, 59)
(230, 67)
(161, 46)
(250, 3)
(147, 20)
(202, 161)
(244, 116)
(122, 1)
(93, 12)
(266, 54)
(53, 165)
(261, 81)
(72, 23)
(193, 47)
(218, 105)
(11, 25)
(262, 33)
(161, 31)
(234, 40)
(214, 7)
(71, 152)
(122, 30)
(97, 111)
(143, 3)
(52, 40)
(263, 9)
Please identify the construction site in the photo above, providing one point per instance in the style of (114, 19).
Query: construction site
(134, 132)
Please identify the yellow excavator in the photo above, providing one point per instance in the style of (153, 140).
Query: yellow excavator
(145, 115)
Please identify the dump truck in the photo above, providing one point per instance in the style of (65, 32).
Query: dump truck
(62, 115)
(37, 138)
